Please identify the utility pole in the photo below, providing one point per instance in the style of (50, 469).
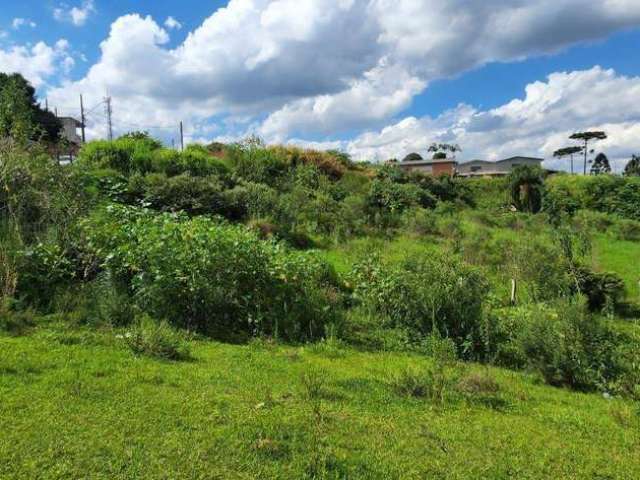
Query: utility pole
(109, 112)
(181, 137)
(82, 119)
(46, 104)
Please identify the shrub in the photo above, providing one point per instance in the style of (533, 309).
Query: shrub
(627, 230)
(126, 155)
(434, 380)
(157, 339)
(439, 294)
(604, 291)
(566, 344)
(193, 195)
(527, 186)
(215, 278)
(43, 269)
(13, 320)
(421, 221)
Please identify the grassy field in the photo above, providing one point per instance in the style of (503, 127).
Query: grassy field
(76, 403)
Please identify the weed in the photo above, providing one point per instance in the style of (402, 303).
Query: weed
(157, 339)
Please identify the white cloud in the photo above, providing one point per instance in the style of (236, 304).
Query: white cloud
(77, 15)
(172, 24)
(535, 125)
(334, 66)
(18, 23)
(38, 62)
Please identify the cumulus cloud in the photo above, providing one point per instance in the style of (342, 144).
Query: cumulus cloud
(333, 67)
(38, 62)
(535, 125)
(172, 24)
(18, 23)
(77, 15)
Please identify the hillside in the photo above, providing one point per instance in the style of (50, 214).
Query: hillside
(273, 312)
(76, 404)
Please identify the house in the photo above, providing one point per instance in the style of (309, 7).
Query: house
(69, 130)
(436, 167)
(72, 140)
(484, 168)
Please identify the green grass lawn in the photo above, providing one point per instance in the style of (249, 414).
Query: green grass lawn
(621, 257)
(78, 404)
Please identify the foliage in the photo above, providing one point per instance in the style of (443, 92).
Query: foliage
(527, 186)
(21, 118)
(429, 295)
(600, 165)
(632, 169)
(157, 339)
(219, 279)
(604, 291)
(412, 157)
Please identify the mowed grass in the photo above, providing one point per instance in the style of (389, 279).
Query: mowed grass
(77, 404)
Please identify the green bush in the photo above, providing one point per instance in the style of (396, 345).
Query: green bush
(604, 291)
(43, 269)
(190, 194)
(627, 230)
(157, 339)
(219, 279)
(566, 344)
(438, 294)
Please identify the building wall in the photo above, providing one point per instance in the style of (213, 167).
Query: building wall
(442, 169)
(428, 169)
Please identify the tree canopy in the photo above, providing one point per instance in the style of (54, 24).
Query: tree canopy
(586, 137)
(633, 167)
(600, 165)
(21, 117)
(412, 157)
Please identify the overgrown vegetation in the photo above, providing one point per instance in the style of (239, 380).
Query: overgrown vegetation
(155, 248)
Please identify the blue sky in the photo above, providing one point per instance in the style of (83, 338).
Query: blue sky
(377, 78)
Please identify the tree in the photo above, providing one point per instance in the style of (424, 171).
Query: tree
(526, 184)
(600, 165)
(440, 150)
(20, 114)
(412, 157)
(633, 167)
(586, 137)
(567, 151)
(143, 136)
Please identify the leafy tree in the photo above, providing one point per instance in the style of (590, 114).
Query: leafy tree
(440, 150)
(633, 167)
(600, 165)
(567, 151)
(20, 115)
(526, 184)
(586, 137)
(144, 136)
(412, 157)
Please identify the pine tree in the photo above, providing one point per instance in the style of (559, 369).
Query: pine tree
(600, 165)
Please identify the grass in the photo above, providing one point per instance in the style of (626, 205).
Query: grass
(78, 404)
(621, 257)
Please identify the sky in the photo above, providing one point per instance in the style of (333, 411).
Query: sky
(375, 78)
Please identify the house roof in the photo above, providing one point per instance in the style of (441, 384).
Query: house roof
(504, 160)
(70, 120)
(418, 163)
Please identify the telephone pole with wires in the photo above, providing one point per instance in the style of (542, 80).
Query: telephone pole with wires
(82, 119)
(109, 112)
